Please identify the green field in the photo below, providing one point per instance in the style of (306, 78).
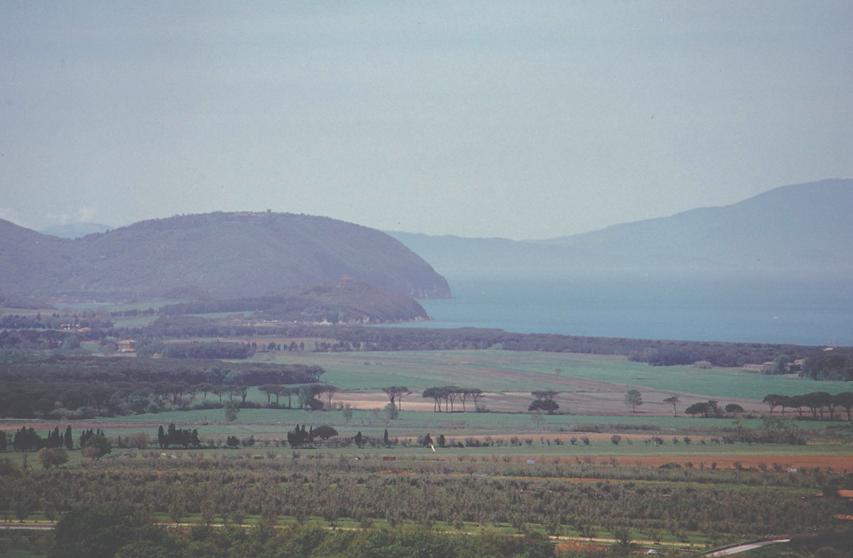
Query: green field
(410, 422)
(494, 370)
(274, 423)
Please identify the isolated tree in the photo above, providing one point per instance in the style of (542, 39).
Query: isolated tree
(231, 411)
(673, 400)
(395, 395)
(547, 405)
(733, 408)
(700, 408)
(324, 432)
(52, 457)
(96, 446)
(544, 401)
(633, 399)
(391, 412)
(346, 411)
(298, 436)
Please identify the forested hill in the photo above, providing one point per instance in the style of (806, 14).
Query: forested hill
(797, 231)
(220, 255)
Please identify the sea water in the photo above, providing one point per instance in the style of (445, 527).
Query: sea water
(815, 312)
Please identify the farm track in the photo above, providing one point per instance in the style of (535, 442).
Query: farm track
(50, 525)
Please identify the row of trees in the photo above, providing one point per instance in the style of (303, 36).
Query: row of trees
(308, 397)
(94, 443)
(172, 436)
(358, 338)
(544, 401)
(27, 439)
(299, 436)
(820, 404)
(84, 387)
(446, 398)
(712, 409)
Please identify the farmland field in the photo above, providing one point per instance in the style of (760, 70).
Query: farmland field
(589, 384)
(504, 370)
(581, 479)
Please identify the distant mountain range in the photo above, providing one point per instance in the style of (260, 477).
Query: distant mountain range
(799, 231)
(218, 255)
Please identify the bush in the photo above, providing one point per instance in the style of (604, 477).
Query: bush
(52, 457)
(97, 447)
(546, 405)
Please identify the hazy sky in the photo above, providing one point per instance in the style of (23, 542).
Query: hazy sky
(481, 119)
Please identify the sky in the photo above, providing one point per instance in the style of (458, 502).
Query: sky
(511, 119)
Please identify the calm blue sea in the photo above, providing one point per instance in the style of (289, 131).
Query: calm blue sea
(813, 313)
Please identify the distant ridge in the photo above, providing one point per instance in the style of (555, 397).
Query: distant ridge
(802, 230)
(75, 230)
(220, 255)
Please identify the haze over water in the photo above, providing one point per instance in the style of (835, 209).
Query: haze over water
(739, 311)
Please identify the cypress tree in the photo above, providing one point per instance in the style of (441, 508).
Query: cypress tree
(69, 439)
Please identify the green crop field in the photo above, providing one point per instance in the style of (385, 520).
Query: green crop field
(493, 370)
(211, 422)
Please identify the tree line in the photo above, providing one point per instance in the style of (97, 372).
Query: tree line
(359, 338)
(198, 350)
(85, 387)
(450, 399)
(819, 363)
(27, 439)
(819, 404)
